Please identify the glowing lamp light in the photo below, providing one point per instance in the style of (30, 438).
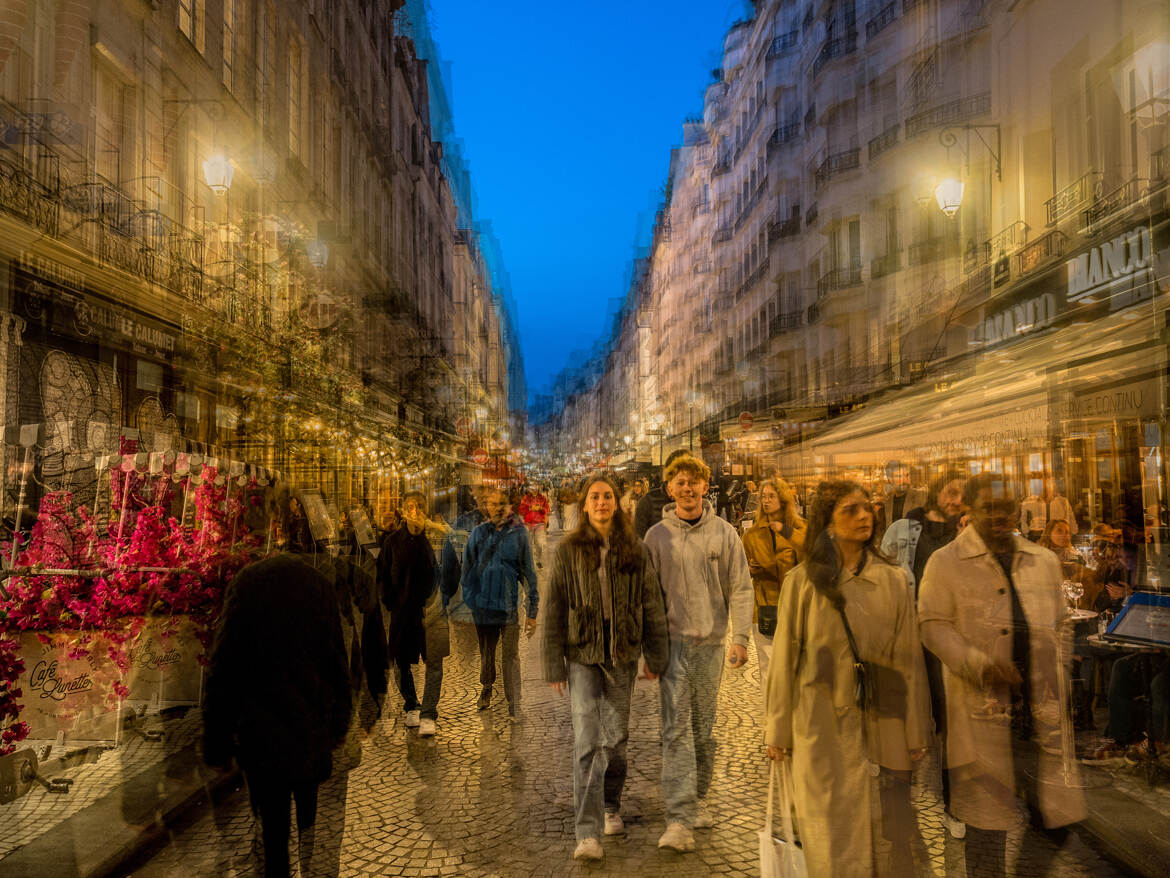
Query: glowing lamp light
(218, 172)
(949, 195)
(318, 253)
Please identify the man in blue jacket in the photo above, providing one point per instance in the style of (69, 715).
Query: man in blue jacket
(498, 556)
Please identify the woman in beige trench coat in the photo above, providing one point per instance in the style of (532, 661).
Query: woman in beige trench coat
(966, 611)
(811, 712)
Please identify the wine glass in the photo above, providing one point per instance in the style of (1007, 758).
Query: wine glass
(1073, 591)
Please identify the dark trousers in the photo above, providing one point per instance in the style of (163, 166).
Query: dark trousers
(270, 800)
(489, 636)
(432, 687)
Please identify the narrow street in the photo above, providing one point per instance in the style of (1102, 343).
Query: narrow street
(486, 797)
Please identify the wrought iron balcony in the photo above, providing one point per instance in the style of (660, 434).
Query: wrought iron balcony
(885, 17)
(810, 215)
(785, 322)
(723, 233)
(931, 250)
(782, 135)
(837, 163)
(722, 165)
(1006, 242)
(833, 49)
(703, 267)
(887, 264)
(783, 43)
(838, 279)
(24, 196)
(882, 142)
(1108, 206)
(780, 229)
(958, 110)
(1040, 252)
(1074, 196)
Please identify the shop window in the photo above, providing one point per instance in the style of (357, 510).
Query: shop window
(226, 417)
(187, 406)
(150, 376)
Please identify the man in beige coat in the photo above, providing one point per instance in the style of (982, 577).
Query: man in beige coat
(989, 607)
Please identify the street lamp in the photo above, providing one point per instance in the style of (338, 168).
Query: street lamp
(218, 172)
(949, 195)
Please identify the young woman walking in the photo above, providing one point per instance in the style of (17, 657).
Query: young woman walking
(604, 608)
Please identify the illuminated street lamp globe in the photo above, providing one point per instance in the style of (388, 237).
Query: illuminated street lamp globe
(949, 195)
(218, 172)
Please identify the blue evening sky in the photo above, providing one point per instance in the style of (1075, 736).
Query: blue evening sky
(568, 112)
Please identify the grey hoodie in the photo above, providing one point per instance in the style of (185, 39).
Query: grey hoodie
(704, 575)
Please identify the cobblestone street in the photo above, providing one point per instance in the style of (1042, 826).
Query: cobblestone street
(486, 797)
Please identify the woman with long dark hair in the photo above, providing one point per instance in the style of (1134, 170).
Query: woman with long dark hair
(604, 607)
(847, 689)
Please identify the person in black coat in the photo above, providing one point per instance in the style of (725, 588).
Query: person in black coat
(408, 576)
(649, 509)
(277, 694)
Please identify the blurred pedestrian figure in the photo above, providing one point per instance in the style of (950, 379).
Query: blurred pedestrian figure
(911, 541)
(630, 500)
(649, 510)
(847, 689)
(534, 510)
(279, 625)
(603, 608)
(497, 559)
(569, 498)
(774, 544)
(704, 574)
(408, 575)
(990, 603)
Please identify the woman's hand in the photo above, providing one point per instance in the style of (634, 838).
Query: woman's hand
(916, 755)
(778, 753)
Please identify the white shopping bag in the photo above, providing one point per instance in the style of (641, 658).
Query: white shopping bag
(780, 857)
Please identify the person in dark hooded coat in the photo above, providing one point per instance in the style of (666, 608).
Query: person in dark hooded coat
(277, 694)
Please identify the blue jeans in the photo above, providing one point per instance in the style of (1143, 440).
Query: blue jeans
(600, 702)
(689, 691)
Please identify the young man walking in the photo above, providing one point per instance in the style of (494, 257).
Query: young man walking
(705, 579)
(496, 560)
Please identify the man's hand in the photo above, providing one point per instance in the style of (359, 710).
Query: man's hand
(1116, 590)
(916, 755)
(559, 688)
(529, 627)
(1001, 672)
(737, 655)
(778, 753)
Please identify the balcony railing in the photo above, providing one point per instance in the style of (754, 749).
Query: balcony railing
(782, 135)
(887, 264)
(1040, 252)
(810, 215)
(752, 279)
(1008, 241)
(26, 197)
(783, 43)
(885, 17)
(882, 142)
(958, 110)
(723, 233)
(787, 228)
(931, 250)
(747, 209)
(1107, 206)
(837, 163)
(810, 116)
(703, 267)
(721, 166)
(789, 320)
(814, 313)
(833, 49)
(838, 279)
(1074, 196)
(1160, 164)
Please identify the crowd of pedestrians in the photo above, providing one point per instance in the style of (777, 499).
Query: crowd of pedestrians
(886, 624)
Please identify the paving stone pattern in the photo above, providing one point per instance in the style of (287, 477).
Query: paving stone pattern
(486, 797)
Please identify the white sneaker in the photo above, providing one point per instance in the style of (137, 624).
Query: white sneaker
(678, 838)
(412, 719)
(613, 823)
(426, 727)
(589, 849)
(957, 828)
(704, 820)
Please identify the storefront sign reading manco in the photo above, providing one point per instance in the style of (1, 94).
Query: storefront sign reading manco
(1113, 270)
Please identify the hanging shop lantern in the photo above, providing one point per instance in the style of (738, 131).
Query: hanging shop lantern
(218, 172)
(949, 195)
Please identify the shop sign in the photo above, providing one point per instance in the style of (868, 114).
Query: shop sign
(164, 664)
(1112, 269)
(64, 694)
(1138, 399)
(1027, 316)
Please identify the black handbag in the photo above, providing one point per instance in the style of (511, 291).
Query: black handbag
(864, 680)
(766, 619)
